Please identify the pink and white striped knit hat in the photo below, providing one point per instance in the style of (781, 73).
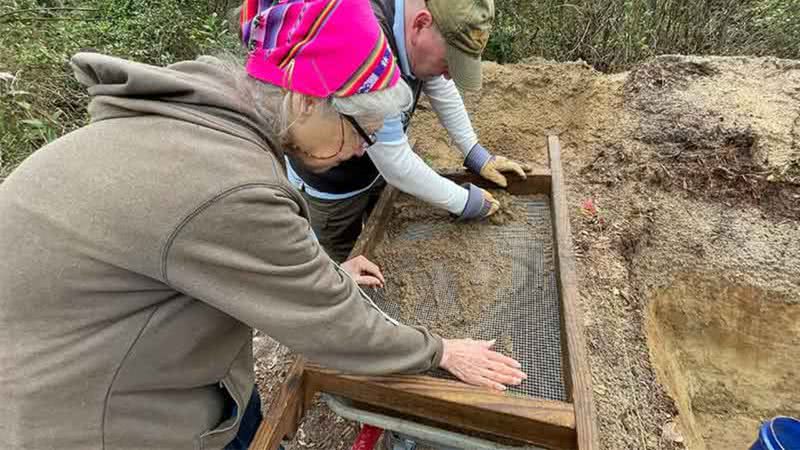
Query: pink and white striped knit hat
(320, 48)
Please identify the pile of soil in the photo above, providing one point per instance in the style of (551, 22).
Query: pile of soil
(691, 165)
(734, 128)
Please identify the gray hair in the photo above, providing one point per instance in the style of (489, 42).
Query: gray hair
(274, 104)
(384, 103)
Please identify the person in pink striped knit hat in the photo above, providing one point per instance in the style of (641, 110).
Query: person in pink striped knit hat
(334, 63)
(330, 48)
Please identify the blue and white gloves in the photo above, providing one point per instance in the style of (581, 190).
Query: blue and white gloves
(480, 203)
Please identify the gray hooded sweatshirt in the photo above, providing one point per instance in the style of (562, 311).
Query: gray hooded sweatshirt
(138, 253)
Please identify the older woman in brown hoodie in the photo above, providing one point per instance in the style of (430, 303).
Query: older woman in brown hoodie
(138, 252)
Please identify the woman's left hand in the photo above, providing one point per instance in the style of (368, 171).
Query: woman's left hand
(364, 271)
(474, 362)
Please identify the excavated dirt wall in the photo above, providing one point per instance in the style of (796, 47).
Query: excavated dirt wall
(727, 353)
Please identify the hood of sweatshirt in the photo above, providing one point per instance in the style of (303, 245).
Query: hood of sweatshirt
(202, 92)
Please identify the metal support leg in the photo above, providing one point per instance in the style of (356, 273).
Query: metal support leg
(414, 433)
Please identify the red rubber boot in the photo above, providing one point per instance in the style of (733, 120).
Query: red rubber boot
(367, 438)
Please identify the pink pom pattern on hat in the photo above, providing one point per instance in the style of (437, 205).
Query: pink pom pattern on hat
(317, 47)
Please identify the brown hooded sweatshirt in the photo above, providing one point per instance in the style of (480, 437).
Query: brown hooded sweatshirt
(138, 252)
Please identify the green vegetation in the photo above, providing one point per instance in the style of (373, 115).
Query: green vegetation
(612, 35)
(39, 100)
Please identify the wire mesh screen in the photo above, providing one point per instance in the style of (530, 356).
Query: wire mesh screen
(525, 316)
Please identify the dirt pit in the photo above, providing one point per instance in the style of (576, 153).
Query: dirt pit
(727, 354)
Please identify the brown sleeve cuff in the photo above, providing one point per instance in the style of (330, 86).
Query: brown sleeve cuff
(438, 352)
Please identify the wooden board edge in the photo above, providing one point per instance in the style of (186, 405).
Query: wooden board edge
(580, 373)
(536, 182)
(546, 423)
(373, 231)
(286, 411)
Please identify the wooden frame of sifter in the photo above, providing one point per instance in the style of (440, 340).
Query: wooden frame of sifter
(450, 404)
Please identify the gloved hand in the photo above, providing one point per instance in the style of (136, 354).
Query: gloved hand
(480, 161)
(480, 204)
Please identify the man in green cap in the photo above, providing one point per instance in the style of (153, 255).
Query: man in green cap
(434, 41)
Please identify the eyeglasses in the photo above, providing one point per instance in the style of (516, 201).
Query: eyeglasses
(324, 158)
(369, 139)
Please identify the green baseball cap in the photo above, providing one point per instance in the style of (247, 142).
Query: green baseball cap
(465, 25)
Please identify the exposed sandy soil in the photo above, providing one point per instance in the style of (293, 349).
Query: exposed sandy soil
(728, 355)
(693, 167)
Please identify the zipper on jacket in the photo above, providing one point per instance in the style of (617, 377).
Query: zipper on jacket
(239, 412)
(367, 297)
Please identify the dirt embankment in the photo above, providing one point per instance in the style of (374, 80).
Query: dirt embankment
(693, 167)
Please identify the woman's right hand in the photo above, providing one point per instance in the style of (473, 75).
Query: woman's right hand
(474, 362)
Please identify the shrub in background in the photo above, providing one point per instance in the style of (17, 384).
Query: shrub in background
(39, 98)
(612, 35)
